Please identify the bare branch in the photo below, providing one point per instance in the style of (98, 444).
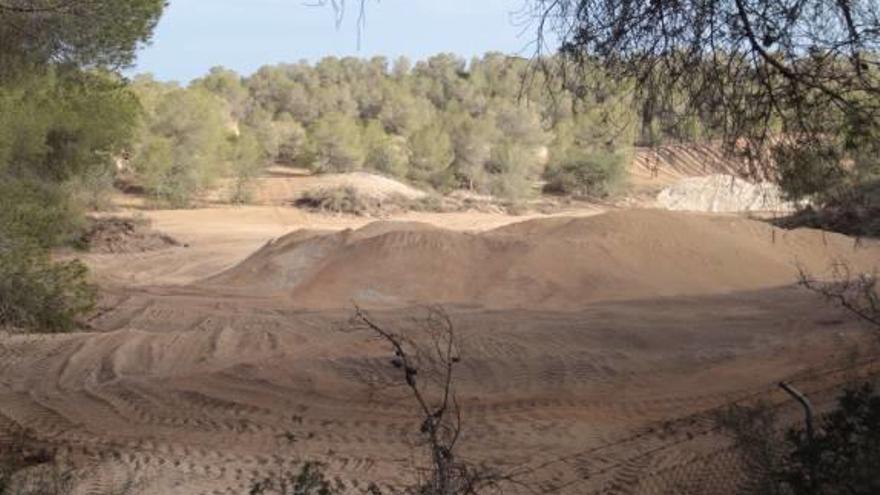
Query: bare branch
(858, 294)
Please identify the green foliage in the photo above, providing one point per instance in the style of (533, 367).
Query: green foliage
(833, 170)
(403, 113)
(841, 458)
(37, 212)
(588, 155)
(514, 169)
(809, 171)
(845, 453)
(310, 480)
(385, 153)
(473, 139)
(182, 143)
(292, 141)
(97, 33)
(348, 200)
(586, 174)
(92, 190)
(26, 468)
(442, 123)
(37, 293)
(227, 85)
(336, 144)
(432, 155)
(246, 164)
(64, 120)
(58, 124)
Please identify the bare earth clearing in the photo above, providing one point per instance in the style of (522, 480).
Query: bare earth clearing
(596, 347)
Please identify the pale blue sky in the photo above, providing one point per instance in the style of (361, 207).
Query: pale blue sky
(195, 35)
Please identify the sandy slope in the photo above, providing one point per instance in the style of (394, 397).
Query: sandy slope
(218, 238)
(594, 348)
(560, 263)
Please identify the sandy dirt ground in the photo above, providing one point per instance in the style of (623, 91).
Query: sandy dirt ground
(597, 348)
(217, 238)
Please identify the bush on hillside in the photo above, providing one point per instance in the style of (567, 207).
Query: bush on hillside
(348, 200)
(856, 213)
(182, 143)
(39, 294)
(845, 453)
(246, 164)
(809, 171)
(842, 456)
(310, 480)
(587, 175)
(38, 211)
(35, 292)
(25, 467)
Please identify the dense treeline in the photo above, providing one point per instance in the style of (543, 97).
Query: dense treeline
(65, 115)
(492, 125)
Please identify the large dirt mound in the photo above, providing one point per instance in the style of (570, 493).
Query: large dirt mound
(560, 263)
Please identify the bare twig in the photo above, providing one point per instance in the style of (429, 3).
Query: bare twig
(427, 358)
(857, 293)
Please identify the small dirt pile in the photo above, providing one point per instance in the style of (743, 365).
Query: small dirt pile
(560, 263)
(123, 235)
(350, 201)
(723, 194)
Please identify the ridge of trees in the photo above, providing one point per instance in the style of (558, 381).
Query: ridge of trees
(65, 114)
(489, 125)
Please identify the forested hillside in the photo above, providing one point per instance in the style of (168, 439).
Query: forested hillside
(494, 125)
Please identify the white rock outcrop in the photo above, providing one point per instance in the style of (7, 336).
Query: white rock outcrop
(723, 194)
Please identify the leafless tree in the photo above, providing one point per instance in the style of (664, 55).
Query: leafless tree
(341, 6)
(427, 357)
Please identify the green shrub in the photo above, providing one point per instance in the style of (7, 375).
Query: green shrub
(336, 144)
(809, 171)
(310, 480)
(181, 146)
(514, 170)
(840, 458)
(37, 293)
(57, 124)
(348, 200)
(334, 200)
(37, 211)
(590, 175)
(844, 455)
(25, 467)
(246, 163)
(93, 190)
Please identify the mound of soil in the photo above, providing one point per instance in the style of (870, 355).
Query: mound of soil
(111, 235)
(560, 263)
